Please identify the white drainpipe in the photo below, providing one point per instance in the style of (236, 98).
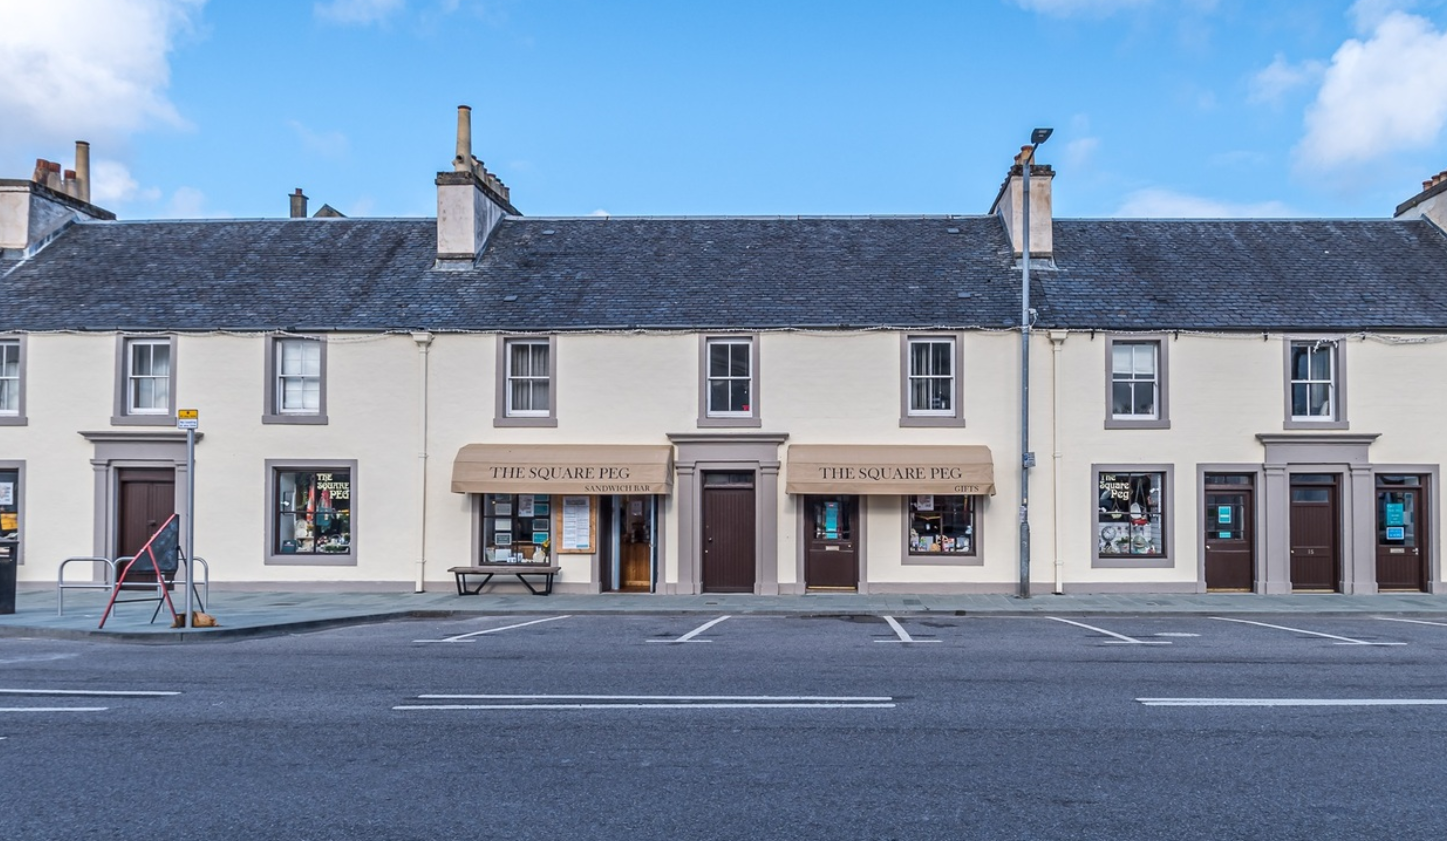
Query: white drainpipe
(424, 344)
(1057, 339)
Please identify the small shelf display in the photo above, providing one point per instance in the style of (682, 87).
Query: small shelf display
(1129, 518)
(516, 528)
(940, 525)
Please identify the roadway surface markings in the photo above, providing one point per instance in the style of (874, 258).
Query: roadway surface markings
(1120, 639)
(1413, 621)
(53, 709)
(900, 632)
(652, 702)
(689, 637)
(468, 637)
(1341, 640)
(1293, 702)
(93, 693)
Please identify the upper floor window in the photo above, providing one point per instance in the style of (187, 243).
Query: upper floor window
(296, 381)
(1136, 383)
(526, 375)
(932, 389)
(10, 372)
(1316, 391)
(728, 394)
(148, 377)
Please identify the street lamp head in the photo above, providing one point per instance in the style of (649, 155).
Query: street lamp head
(1040, 135)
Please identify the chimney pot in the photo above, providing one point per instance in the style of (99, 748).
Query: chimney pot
(82, 170)
(463, 162)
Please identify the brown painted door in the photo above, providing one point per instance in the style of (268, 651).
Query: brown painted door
(1315, 560)
(1230, 534)
(728, 533)
(1401, 532)
(831, 558)
(145, 498)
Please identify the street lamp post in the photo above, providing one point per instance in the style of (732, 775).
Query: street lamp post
(1027, 458)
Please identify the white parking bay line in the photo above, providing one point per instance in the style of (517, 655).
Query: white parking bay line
(1342, 640)
(900, 632)
(655, 698)
(92, 693)
(641, 706)
(654, 702)
(1293, 702)
(689, 637)
(468, 637)
(53, 709)
(1120, 639)
(1413, 621)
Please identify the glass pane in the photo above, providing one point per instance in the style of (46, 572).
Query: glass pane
(918, 359)
(739, 396)
(1397, 518)
(314, 513)
(1120, 360)
(738, 360)
(140, 360)
(1319, 397)
(718, 359)
(1120, 398)
(1145, 361)
(941, 525)
(1299, 407)
(521, 392)
(538, 358)
(918, 395)
(1310, 495)
(718, 396)
(941, 394)
(1321, 364)
(943, 357)
(1299, 361)
(831, 518)
(1130, 514)
(1145, 399)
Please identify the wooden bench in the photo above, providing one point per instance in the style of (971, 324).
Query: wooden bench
(520, 570)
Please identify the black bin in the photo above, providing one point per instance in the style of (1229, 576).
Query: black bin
(8, 561)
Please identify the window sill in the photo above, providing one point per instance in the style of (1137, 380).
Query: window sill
(299, 420)
(931, 420)
(314, 560)
(1314, 424)
(525, 421)
(727, 422)
(143, 420)
(1141, 423)
(942, 560)
(14, 420)
(1131, 562)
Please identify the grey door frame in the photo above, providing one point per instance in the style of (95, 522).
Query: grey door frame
(697, 453)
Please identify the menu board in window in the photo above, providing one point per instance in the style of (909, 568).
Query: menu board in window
(576, 524)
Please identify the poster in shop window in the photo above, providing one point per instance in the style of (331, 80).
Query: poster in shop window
(575, 525)
(7, 493)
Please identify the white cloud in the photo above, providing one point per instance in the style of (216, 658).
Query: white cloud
(1072, 8)
(1154, 203)
(91, 70)
(1380, 95)
(187, 203)
(112, 183)
(358, 12)
(1280, 77)
(331, 144)
(600, 212)
(1079, 152)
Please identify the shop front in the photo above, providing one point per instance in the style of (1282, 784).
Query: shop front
(593, 510)
(935, 490)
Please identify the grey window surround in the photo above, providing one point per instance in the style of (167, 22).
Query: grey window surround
(121, 415)
(1162, 420)
(1166, 559)
(501, 417)
(975, 557)
(19, 417)
(272, 398)
(1338, 419)
(958, 417)
(19, 468)
(753, 419)
(271, 558)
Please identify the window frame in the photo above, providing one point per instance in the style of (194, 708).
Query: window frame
(1167, 557)
(976, 555)
(272, 512)
(706, 418)
(18, 416)
(504, 416)
(123, 414)
(19, 467)
(274, 413)
(932, 417)
(1162, 418)
(1338, 384)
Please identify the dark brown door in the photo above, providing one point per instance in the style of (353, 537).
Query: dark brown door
(1315, 559)
(1401, 532)
(1230, 532)
(728, 533)
(145, 498)
(831, 540)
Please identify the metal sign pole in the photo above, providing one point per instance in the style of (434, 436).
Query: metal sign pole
(189, 420)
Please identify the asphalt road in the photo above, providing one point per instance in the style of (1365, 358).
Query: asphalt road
(689, 727)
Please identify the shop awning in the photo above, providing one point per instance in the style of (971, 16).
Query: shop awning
(565, 469)
(884, 469)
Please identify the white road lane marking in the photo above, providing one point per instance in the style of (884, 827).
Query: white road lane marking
(900, 632)
(1293, 702)
(1413, 621)
(655, 698)
(53, 709)
(1170, 634)
(1342, 640)
(94, 693)
(1120, 639)
(641, 706)
(653, 702)
(468, 637)
(689, 637)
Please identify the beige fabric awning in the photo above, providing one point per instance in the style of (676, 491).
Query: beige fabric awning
(564, 469)
(884, 469)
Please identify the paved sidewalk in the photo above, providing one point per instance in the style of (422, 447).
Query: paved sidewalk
(248, 613)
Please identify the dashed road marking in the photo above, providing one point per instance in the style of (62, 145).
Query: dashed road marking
(651, 702)
(1293, 702)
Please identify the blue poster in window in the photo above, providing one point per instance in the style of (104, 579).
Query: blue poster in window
(831, 521)
(1395, 514)
(1223, 515)
(1224, 535)
(1396, 533)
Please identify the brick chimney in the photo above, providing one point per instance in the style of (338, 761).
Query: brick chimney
(470, 202)
(298, 205)
(34, 211)
(1429, 204)
(1010, 200)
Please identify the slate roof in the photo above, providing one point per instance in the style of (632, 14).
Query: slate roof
(723, 273)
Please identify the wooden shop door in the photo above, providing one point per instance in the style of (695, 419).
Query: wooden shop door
(728, 533)
(1315, 524)
(145, 497)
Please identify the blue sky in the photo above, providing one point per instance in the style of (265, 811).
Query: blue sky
(1161, 108)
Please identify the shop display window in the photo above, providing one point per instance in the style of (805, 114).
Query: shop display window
(516, 528)
(9, 505)
(314, 512)
(941, 525)
(1130, 518)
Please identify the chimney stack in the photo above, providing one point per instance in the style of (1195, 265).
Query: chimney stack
(1430, 204)
(82, 171)
(34, 212)
(470, 202)
(1009, 201)
(298, 205)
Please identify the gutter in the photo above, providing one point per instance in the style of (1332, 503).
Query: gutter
(424, 344)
